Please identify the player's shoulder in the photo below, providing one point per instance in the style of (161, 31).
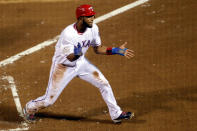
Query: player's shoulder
(95, 26)
(68, 30)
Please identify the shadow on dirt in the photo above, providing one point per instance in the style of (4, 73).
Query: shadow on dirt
(147, 102)
(9, 114)
(58, 116)
(142, 103)
(51, 115)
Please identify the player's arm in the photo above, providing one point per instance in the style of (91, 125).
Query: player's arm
(72, 57)
(67, 48)
(114, 50)
(77, 53)
(100, 50)
(71, 52)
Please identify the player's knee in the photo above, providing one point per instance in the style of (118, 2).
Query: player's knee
(105, 87)
(105, 90)
(103, 83)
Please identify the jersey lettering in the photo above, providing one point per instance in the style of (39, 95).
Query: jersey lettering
(85, 43)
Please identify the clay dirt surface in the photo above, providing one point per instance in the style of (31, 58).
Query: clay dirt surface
(159, 84)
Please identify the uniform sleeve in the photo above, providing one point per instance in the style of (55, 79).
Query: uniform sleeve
(66, 45)
(97, 39)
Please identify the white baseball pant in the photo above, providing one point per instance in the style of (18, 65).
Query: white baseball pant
(61, 75)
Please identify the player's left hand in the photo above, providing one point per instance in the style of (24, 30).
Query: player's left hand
(78, 50)
(128, 53)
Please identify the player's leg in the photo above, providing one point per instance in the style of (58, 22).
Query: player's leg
(60, 76)
(91, 74)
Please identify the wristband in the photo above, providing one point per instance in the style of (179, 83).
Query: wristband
(116, 50)
(109, 51)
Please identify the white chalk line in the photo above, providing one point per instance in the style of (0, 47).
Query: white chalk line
(28, 51)
(15, 95)
(48, 43)
(51, 41)
(120, 10)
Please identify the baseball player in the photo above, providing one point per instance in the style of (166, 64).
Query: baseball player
(69, 62)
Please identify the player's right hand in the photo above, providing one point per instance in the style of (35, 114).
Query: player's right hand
(78, 50)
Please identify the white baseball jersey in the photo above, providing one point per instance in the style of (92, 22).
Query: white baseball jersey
(63, 71)
(70, 37)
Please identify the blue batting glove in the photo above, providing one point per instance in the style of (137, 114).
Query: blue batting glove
(118, 51)
(78, 50)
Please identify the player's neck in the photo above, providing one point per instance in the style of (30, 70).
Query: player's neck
(81, 28)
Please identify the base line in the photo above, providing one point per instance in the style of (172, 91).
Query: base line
(10, 79)
(51, 41)
(24, 125)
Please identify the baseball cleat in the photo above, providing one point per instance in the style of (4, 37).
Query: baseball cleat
(30, 118)
(123, 115)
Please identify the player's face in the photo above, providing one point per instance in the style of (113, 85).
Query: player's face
(88, 21)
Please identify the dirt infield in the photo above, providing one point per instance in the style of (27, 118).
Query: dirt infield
(158, 84)
(32, 1)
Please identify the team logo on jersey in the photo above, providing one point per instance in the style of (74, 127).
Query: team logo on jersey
(85, 43)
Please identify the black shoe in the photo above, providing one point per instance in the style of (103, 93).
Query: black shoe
(30, 118)
(124, 115)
